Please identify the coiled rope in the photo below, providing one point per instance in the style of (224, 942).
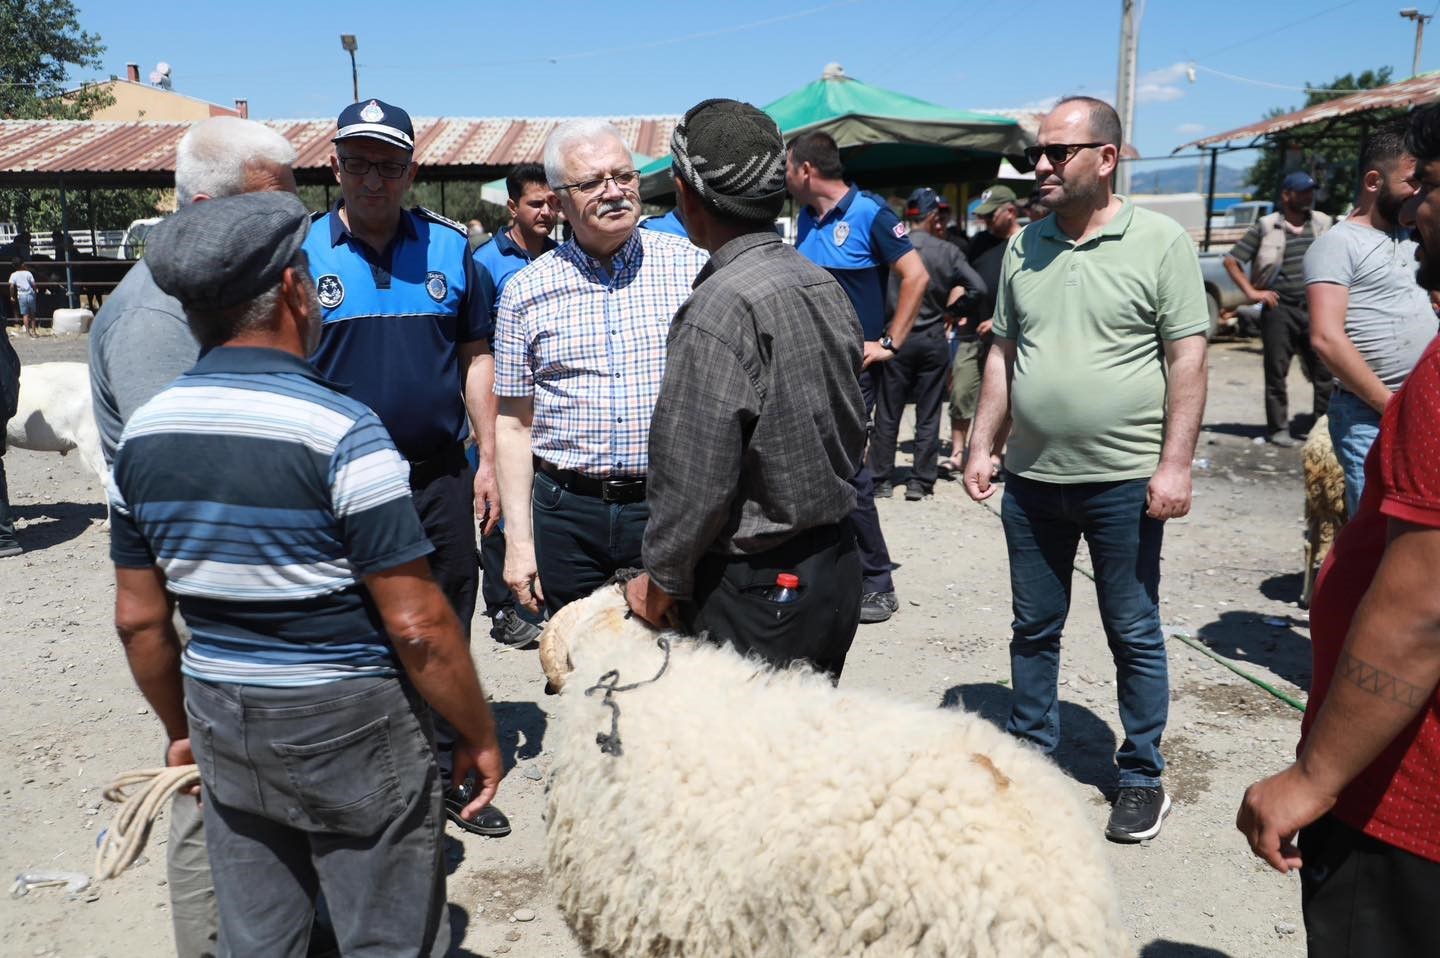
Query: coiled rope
(128, 832)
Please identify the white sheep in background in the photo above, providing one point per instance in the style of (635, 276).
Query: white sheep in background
(760, 813)
(55, 415)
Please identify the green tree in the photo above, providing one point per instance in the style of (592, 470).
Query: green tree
(40, 41)
(1331, 158)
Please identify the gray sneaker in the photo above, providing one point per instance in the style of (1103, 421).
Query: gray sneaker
(514, 632)
(877, 607)
(1282, 438)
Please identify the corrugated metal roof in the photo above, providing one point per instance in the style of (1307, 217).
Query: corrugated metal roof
(1416, 91)
(35, 150)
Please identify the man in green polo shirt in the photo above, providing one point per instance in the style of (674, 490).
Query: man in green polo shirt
(1099, 356)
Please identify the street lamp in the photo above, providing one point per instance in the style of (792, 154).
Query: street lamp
(347, 41)
(1410, 13)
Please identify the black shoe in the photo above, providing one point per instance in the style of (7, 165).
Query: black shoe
(514, 632)
(490, 821)
(884, 490)
(878, 606)
(1137, 815)
(914, 493)
(9, 547)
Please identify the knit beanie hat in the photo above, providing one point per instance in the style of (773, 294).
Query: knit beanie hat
(733, 157)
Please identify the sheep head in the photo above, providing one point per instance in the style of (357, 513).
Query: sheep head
(603, 610)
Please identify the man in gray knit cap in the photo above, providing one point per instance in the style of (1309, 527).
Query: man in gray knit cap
(759, 424)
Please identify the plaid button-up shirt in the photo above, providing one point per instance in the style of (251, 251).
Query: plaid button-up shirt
(590, 348)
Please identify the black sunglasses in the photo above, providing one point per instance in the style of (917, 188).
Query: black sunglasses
(1057, 153)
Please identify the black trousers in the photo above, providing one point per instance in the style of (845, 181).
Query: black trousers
(917, 370)
(443, 490)
(581, 541)
(869, 538)
(817, 627)
(1363, 898)
(1285, 332)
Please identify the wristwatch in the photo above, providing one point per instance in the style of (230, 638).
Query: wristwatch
(887, 343)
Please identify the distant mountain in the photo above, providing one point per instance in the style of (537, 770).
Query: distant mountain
(1188, 179)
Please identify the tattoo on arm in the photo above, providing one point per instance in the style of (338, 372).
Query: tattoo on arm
(1380, 683)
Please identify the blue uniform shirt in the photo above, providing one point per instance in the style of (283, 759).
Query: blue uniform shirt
(393, 321)
(669, 223)
(497, 261)
(856, 242)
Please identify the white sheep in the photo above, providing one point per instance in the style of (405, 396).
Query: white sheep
(753, 812)
(55, 415)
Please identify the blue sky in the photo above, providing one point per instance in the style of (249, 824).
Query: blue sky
(640, 57)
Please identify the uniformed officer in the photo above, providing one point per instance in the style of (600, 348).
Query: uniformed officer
(532, 214)
(405, 331)
(858, 239)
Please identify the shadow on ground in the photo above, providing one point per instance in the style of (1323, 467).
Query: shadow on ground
(53, 523)
(1284, 587)
(1270, 641)
(1087, 746)
(521, 730)
(1164, 948)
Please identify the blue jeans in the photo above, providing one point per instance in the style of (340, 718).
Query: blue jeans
(581, 541)
(1353, 428)
(1043, 525)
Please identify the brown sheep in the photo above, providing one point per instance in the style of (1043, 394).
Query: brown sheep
(1324, 502)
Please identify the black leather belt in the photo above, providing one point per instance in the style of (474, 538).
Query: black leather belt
(445, 463)
(607, 490)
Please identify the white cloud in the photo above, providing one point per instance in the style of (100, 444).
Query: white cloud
(1160, 86)
(1190, 129)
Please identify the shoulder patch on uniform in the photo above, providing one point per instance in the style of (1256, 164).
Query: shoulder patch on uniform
(436, 286)
(899, 230)
(329, 290)
(842, 233)
(435, 217)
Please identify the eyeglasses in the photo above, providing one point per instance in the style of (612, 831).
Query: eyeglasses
(623, 180)
(359, 166)
(1057, 153)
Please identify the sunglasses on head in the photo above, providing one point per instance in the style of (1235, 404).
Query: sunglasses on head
(1057, 153)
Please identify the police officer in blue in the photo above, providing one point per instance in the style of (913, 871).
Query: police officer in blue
(532, 207)
(858, 239)
(406, 330)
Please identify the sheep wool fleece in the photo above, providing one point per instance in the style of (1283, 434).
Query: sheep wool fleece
(760, 813)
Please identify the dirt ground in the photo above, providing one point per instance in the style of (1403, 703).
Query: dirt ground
(71, 719)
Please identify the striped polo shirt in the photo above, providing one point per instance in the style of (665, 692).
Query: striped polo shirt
(264, 495)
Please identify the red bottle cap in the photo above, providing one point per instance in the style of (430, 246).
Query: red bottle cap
(787, 580)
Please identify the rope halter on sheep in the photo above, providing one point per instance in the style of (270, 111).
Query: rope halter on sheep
(610, 744)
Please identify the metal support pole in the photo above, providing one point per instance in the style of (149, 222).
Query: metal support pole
(354, 78)
(64, 249)
(442, 199)
(1419, 42)
(1125, 88)
(1210, 199)
(90, 207)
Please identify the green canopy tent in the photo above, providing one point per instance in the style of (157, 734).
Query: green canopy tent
(885, 138)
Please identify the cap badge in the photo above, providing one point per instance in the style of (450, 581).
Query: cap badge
(372, 113)
(842, 233)
(985, 197)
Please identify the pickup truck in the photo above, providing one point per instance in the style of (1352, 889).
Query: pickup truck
(1221, 290)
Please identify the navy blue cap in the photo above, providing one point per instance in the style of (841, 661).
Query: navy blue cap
(376, 120)
(1298, 182)
(923, 202)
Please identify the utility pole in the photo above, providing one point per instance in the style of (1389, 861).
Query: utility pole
(347, 42)
(1125, 86)
(1410, 13)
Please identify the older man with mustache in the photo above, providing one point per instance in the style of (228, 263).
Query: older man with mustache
(579, 353)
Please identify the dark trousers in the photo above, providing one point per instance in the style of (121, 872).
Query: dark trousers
(1362, 897)
(817, 627)
(327, 789)
(443, 491)
(7, 521)
(581, 541)
(918, 371)
(869, 538)
(1285, 332)
(1043, 523)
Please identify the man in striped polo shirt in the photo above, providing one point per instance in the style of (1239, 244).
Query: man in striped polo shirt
(277, 511)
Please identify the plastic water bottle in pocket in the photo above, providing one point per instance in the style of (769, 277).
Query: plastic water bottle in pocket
(785, 589)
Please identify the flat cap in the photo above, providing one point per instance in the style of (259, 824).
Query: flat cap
(220, 253)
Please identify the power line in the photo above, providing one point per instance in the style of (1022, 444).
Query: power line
(1266, 83)
(1270, 33)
